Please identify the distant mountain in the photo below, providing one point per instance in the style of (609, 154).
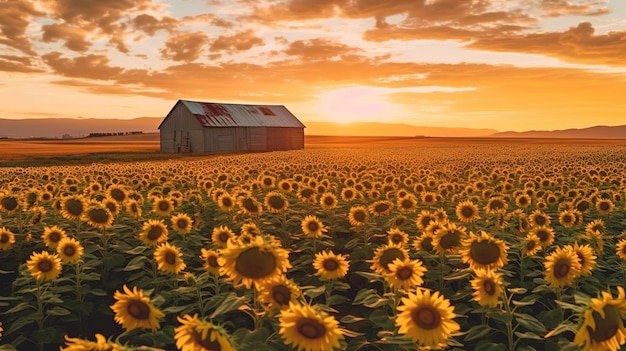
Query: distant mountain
(597, 132)
(390, 129)
(74, 127)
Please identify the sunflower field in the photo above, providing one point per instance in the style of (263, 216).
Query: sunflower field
(477, 246)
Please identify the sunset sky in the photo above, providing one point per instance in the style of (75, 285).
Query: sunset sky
(499, 64)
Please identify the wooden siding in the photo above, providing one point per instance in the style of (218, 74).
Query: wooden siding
(180, 131)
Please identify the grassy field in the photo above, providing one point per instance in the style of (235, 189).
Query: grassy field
(354, 243)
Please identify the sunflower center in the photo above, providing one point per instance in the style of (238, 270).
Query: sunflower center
(313, 226)
(227, 202)
(467, 212)
(155, 233)
(397, 238)
(331, 265)
(605, 327)
(404, 273)
(380, 208)
(118, 194)
(329, 201)
(54, 237)
(604, 206)
(484, 252)
(389, 255)
(540, 220)
(138, 309)
(253, 263)
(181, 223)
(170, 257)
(281, 294)
(523, 201)
(427, 244)
(9, 203)
(406, 204)
(99, 215)
(69, 250)
(44, 265)
(306, 193)
(276, 202)
(4, 238)
(359, 216)
(426, 317)
(542, 235)
(531, 245)
(164, 206)
(212, 261)
(224, 237)
(489, 287)
(568, 219)
(496, 205)
(249, 205)
(428, 198)
(561, 268)
(74, 207)
(310, 328)
(450, 240)
(206, 344)
(348, 194)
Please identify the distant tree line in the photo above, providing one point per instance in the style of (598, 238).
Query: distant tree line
(113, 134)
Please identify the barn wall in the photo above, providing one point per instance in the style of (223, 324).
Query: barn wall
(225, 139)
(257, 137)
(285, 139)
(180, 131)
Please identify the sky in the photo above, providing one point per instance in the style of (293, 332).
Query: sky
(508, 65)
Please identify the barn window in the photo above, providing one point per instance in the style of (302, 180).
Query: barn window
(267, 111)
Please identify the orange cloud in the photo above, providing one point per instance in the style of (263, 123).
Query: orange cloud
(75, 38)
(150, 24)
(557, 8)
(239, 41)
(15, 17)
(10, 63)
(88, 66)
(186, 46)
(319, 49)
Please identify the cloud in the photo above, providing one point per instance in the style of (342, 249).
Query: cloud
(239, 41)
(319, 49)
(577, 44)
(87, 66)
(150, 24)
(185, 46)
(15, 16)
(296, 10)
(558, 8)
(75, 38)
(10, 63)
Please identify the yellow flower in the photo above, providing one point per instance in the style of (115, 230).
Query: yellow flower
(538, 219)
(44, 266)
(153, 232)
(427, 319)
(544, 234)
(467, 212)
(397, 236)
(134, 310)
(381, 207)
(226, 202)
(101, 344)
(73, 206)
(253, 262)
(405, 274)
(278, 292)
(586, 258)
(7, 238)
(52, 236)
(487, 287)
(98, 216)
(358, 216)
(330, 266)
(210, 259)
(531, 245)
(162, 206)
(448, 239)
(309, 329)
(424, 243)
(562, 266)
(496, 205)
(313, 227)
(181, 223)
(117, 192)
(221, 235)
(407, 203)
(276, 202)
(484, 251)
(604, 206)
(133, 208)
(70, 250)
(169, 258)
(194, 334)
(250, 206)
(620, 249)
(328, 201)
(386, 254)
(602, 325)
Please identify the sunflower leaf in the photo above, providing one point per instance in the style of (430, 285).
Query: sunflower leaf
(477, 332)
(528, 335)
(529, 322)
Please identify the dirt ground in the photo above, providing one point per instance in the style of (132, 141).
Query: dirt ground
(11, 149)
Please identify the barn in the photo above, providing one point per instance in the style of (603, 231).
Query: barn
(201, 127)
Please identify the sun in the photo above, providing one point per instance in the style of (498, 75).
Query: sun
(357, 104)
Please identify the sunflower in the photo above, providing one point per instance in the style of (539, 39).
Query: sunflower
(523, 200)
(313, 227)
(597, 225)
(531, 245)
(52, 236)
(604, 206)
(254, 262)
(424, 219)
(307, 328)
(153, 232)
(397, 236)
(467, 212)
(487, 287)
(381, 207)
(567, 218)
(538, 219)
(386, 254)
(358, 216)
(448, 239)
(37, 215)
(407, 203)
(586, 257)
(348, 194)
(70, 250)
(602, 325)
(133, 208)
(562, 266)
(226, 202)
(98, 216)
(112, 205)
(307, 194)
(211, 262)
(221, 235)
(328, 201)
(426, 318)
(484, 251)
(134, 310)
(117, 192)
(248, 231)
(101, 344)
(44, 266)
(424, 243)
(7, 238)
(496, 205)
(276, 202)
(545, 235)
(194, 334)
(278, 292)
(620, 249)
(169, 258)
(405, 274)
(182, 223)
(428, 197)
(250, 206)
(73, 206)
(9, 202)
(162, 206)
(330, 266)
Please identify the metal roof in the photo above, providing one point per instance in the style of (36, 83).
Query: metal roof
(211, 114)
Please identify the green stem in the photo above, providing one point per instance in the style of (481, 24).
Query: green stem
(509, 322)
(40, 312)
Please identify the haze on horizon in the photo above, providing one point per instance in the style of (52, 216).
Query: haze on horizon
(492, 64)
